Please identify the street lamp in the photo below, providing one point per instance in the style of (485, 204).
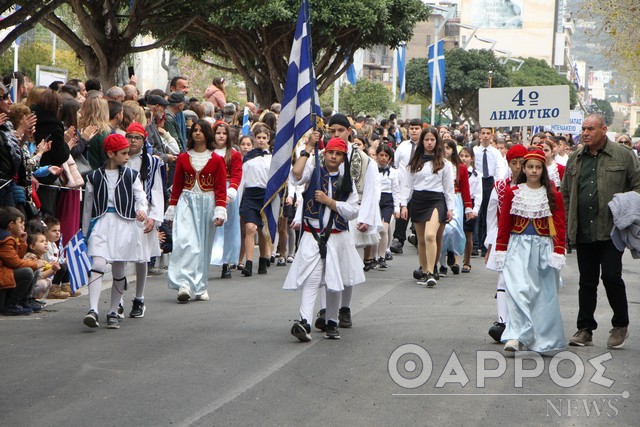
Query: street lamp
(470, 36)
(492, 42)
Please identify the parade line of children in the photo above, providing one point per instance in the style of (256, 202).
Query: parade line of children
(346, 199)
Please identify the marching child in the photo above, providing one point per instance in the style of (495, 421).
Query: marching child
(197, 206)
(149, 171)
(389, 198)
(475, 189)
(255, 176)
(428, 185)
(226, 243)
(454, 239)
(326, 254)
(115, 209)
(514, 157)
(530, 250)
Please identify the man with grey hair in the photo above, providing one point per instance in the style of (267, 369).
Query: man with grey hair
(229, 111)
(276, 107)
(593, 175)
(130, 93)
(115, 93)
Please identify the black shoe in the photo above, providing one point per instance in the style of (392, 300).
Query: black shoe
(263, 263)
(332, 332)
(396, 246)
(112, 321)
(483, 253)
(30, 304)
(138, 309)
(443, 271)
(496, 331)
(271, 260)
(413, 240)
(344, 317)
(301, 330)
(247, 270)
(451, 259)
(91, 319)
(431, 280)
(417, 273)
(369, 264)
(388, 256)
(282, 262)
(455, 269)
(382, 263)
(226, 271)
(16, 310)
(321, 323)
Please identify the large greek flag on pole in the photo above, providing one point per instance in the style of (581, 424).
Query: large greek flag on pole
(402, 62)
(300, 105)
(78, 261)
(437, 70)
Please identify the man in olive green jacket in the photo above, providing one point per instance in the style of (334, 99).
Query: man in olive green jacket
(593, 175)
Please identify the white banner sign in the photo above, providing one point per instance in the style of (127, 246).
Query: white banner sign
(575, 124)
(524, 106)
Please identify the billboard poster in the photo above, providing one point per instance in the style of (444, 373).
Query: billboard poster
(496, 13)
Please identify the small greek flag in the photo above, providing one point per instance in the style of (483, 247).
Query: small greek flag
(246, 127)
(78, 261)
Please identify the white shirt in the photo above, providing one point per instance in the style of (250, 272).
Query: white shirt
(425, 180)
(255, 172)
(475, 188)
(389, 184)
(561, 160)
(495, 161)
(403, 153)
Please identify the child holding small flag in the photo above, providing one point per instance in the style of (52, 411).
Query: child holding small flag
(114, 214)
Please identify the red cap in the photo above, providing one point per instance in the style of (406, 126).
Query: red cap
(136, 127)
(516, 151)
(536, 155)
(336, 144)
(115, 142)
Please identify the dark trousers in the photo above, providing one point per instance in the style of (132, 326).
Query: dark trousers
(593, 257)
(487, 187)
(25, 280)
(400, 231)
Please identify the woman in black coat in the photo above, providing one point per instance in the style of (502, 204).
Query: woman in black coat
(49, 127)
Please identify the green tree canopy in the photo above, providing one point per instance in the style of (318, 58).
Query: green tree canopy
(536, 72)
(256, 36)
(39, 53)
(604, 107)
(365, 97)
(466, 71)
(102, 33)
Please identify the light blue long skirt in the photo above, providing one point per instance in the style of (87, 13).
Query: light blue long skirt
(453, 238)
(532, 289)
(226, 242)
(193, 232)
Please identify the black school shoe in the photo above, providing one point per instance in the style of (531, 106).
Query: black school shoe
(301, 330)
(332, 332)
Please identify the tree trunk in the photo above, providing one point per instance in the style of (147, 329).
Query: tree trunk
(265, 96)
(106, 75)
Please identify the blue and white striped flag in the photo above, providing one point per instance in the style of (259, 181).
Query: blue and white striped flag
(402, 61)
(78, 261)
(300, 105)
(246, 127)
(437, 70)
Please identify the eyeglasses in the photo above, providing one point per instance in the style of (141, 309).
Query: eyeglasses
(135, 137)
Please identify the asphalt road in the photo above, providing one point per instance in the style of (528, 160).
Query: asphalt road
(231, 360)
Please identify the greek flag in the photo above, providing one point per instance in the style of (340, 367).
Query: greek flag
(300, 106)
(78, 262)
(436, 70)
(402, 59)
(246, 128)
